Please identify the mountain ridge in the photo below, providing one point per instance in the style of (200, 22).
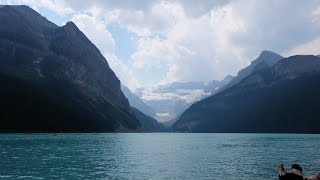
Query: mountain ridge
(137, 103)
(273, 99)
(266, 58)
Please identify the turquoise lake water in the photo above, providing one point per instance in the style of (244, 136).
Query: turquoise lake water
(155, 156)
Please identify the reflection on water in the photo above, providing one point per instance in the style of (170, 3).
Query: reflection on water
(155, 156)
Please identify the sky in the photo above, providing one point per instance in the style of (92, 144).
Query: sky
(152, 42)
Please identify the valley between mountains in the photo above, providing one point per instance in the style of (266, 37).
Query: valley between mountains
(54, 79)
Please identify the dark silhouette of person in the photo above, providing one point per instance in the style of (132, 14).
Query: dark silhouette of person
(295, 174)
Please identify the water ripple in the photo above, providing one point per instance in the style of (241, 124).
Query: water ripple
(155, 156)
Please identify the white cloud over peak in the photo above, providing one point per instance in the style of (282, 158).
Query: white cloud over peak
(194, 48)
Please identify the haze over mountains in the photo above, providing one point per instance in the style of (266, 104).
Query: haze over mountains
(170, 100)
(138, 103)
(144, 113)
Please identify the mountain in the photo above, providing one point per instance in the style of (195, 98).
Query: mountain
(215, 86)
(137, 103)
(149, 124)
(265, 59)
(54, 79)
(144, 113)
(170, 100)
(279, 99)
(170, 122)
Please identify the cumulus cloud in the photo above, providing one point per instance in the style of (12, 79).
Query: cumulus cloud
(195, 40)
(194, 48)
(154, 17)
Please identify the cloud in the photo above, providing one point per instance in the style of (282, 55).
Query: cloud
(163, 114)
(153, 51)
(194, 48)
(195, 40)
(155, 18)
(192, 95)
(225, 38)
(61, 7)
(308, 48)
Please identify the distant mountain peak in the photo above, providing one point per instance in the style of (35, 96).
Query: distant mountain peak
(228, 77)
(265, 54)
(265, 59)
(268, 57)
(272, 99)
(70, 31)
(71, 26)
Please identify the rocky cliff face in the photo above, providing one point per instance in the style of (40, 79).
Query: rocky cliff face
(45, 57)
(87, 69)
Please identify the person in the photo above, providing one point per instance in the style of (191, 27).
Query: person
(315, 177)
(295, 174)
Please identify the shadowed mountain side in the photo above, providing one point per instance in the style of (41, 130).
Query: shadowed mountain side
(281, 99)
(61, 69)
(55, 107)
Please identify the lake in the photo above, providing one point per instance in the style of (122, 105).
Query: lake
(155, 155)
